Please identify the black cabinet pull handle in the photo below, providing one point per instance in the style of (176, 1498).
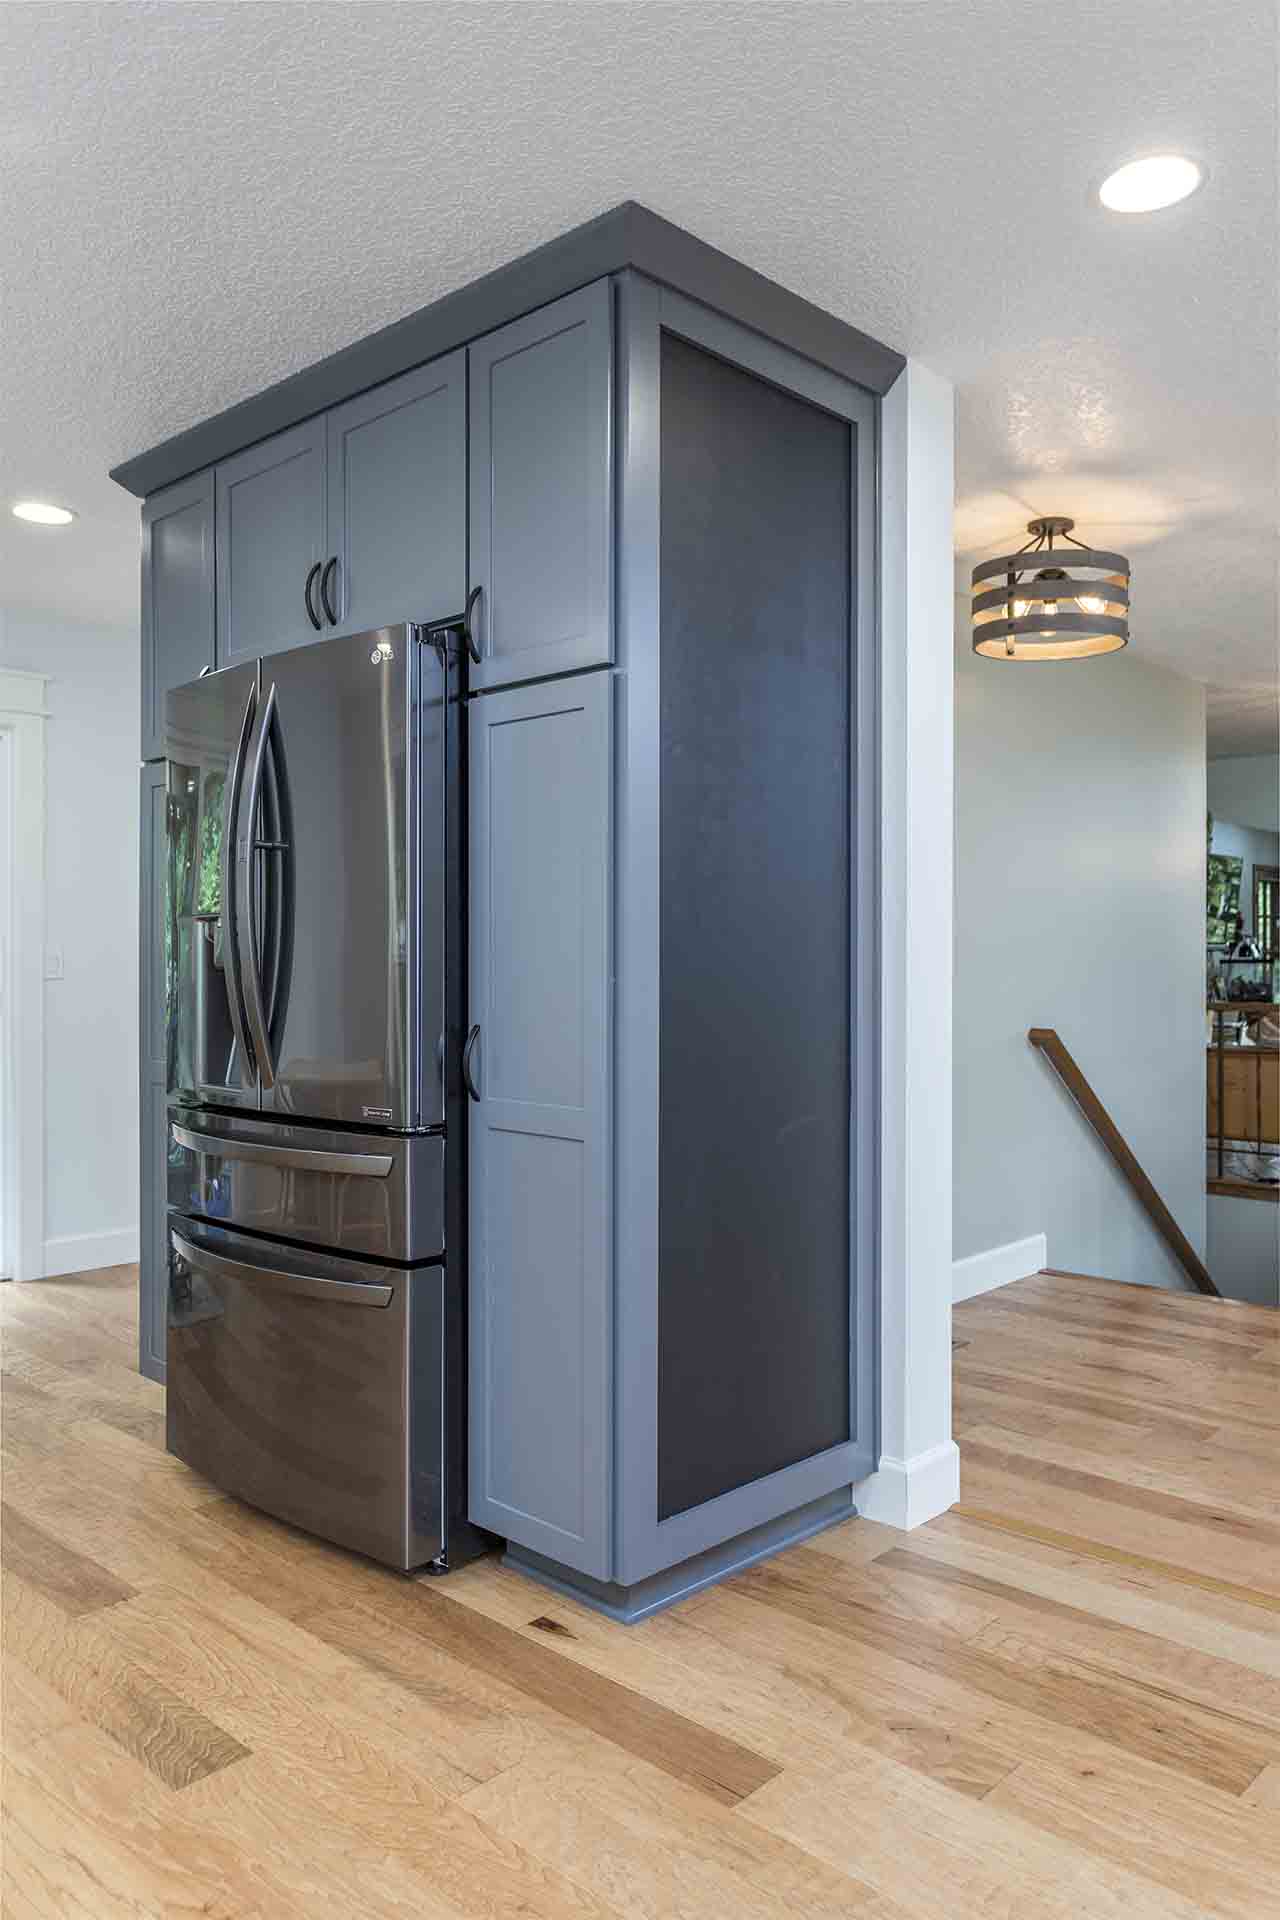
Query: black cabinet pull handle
(468, 1050)
(473, 601)
(331, 567)
(312, 615)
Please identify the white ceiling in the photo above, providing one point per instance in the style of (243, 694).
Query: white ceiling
(200, 199)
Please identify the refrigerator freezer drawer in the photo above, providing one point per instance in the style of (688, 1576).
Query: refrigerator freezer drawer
(372, 1195)
(311, 1387)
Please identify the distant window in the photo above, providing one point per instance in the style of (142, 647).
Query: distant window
(1266, 909)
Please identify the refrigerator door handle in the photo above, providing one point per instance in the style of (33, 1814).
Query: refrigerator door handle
(247, 958)
(373, 1166)
(468, 1063)
(231, 919)
(354, 1293)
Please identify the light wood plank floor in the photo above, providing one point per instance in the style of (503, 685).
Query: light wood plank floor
(1062, 1699)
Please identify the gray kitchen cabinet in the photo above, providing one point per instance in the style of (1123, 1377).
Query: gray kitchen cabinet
(661, 472)
(397, 499)
(540, 1133)
(542, 491)
(270, 544)
(177, 596)
(152, 1250)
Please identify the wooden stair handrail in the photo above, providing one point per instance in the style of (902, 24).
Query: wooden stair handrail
(1049, 1043)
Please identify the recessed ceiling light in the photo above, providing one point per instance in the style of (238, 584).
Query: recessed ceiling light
(43, 513)
(1146, 185)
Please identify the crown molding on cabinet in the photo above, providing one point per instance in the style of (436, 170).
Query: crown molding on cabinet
(628, 236)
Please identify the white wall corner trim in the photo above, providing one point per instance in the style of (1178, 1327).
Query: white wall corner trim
(906, 1493)
(980, 1272)
(84, 1252)
(918, 1474)
(22, 1063)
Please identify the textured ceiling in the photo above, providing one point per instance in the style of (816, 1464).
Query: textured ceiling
(198, 200)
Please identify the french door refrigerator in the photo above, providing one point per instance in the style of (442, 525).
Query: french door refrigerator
(313, 971)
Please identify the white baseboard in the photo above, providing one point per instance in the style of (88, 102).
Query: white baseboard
(906, 1493)
(998, 1266)
(81, 1252)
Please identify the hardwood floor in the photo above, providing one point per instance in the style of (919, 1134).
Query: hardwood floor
(1061, 1699)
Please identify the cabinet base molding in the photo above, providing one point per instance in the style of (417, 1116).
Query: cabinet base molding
(906, 1493)
(661, 1590)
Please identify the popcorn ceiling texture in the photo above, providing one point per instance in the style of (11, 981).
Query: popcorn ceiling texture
(199, 200)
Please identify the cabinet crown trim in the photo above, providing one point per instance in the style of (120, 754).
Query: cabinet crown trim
(629, 235)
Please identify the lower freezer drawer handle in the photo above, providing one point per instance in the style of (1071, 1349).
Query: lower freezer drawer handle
(375, 1166)
(351, 1293)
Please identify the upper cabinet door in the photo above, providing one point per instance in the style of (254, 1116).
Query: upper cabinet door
(270, 526)
(541, 491)
(177, 597)
(397, 465)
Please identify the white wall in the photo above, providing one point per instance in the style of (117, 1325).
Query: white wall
(1079, 906)
(1247, 791)
(91, 1014)
(1244, 1249)
(919, 1470)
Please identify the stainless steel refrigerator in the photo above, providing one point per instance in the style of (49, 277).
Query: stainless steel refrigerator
(314, 977)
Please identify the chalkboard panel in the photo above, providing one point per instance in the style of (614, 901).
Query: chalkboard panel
(753, 1288)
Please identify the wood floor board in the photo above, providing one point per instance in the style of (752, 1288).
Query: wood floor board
(1154, 1724)
(1210, 1541)
(1233, 1391)
(1265, 1790)
(1195, 1464)
(1139, 1329)
(76, 1583)
(792, 1713)
(1061, 1701)
(111, 1839)
(936, 1854)
(1104, 1592)
(667, 1868)
(682, 1747)
(1226, 1862)
(1223, 1483)
(282, 1688)
(172, 1738)
(1103, 1552)
(1207, 1679)
(932, 1712)
(1113, 1408)
(30, 1709)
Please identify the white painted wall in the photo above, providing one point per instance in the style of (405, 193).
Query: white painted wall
(1080, 906)
(1247, 791)
(919, 1471)
(91, 1014)
(1244, 1249)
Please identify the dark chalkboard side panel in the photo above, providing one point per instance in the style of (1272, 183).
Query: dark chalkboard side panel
(754, 1271)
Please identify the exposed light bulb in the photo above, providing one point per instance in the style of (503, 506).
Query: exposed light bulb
(1090, 603)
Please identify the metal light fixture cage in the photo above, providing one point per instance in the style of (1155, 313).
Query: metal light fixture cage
(1051, 603)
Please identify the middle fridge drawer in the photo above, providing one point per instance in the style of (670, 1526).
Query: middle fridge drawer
(376, 1195)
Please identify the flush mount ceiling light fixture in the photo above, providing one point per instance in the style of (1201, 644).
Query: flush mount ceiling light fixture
(1029, 606)
(1144, 186)
(42, 513)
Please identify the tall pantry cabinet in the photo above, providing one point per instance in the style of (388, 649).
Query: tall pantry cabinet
(671, 872)
(668, 505)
